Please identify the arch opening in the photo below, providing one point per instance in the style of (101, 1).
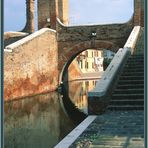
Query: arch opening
(78, 79)
(85, 62)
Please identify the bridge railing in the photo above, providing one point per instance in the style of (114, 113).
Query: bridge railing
(131, 42)
(99, 97)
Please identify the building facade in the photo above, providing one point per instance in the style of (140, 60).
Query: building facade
(92, 60)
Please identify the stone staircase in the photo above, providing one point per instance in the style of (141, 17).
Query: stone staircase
(129, 92)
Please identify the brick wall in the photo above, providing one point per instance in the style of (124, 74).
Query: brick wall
(139, 12)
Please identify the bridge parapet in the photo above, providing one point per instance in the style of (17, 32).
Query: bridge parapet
(75, 39)
(99, 97)
(29, 65)
(131, 42)
(87, 32)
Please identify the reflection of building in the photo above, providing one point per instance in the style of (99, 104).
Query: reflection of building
(78, 93)
(90, 60)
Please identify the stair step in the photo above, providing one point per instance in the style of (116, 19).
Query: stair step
(130, 86)
(133, 73)
(128, 91)
(127, 69)
(128, 96)
(134, 68)
(141, 77)
(125, 107)
(135, 62)
(131, 82)
(140, 61)
(136, 57)
(127, 102)
(138, 54)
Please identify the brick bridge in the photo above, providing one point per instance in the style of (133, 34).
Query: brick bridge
(63, 45)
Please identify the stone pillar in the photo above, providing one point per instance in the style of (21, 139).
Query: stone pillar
(49, 10)
(43, 14)
(53, 8)
(139, 12)
(29, 16)
(63, 7)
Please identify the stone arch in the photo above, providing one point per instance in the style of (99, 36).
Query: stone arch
(68, 55)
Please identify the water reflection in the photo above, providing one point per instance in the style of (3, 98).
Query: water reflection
(35, 122)
(78, 93)
(43, 120)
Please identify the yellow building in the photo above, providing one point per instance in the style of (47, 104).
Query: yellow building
(90, 60)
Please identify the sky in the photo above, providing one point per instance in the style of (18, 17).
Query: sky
(81, 12)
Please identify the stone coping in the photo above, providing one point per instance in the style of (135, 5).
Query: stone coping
(75, 133)
(10, 34)
(91, 25)
(12, 46)
(131, 41)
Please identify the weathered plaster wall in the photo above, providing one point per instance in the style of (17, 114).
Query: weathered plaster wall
(30, 65)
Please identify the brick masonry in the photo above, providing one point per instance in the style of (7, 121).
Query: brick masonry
(52, 9)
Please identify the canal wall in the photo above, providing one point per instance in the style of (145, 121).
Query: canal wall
(31, 65)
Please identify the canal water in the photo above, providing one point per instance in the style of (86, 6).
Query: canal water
(42, 121)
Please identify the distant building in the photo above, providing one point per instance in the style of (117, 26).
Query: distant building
(90, 60)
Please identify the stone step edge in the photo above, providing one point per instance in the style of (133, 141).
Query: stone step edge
(127, 100)
(75, 133)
